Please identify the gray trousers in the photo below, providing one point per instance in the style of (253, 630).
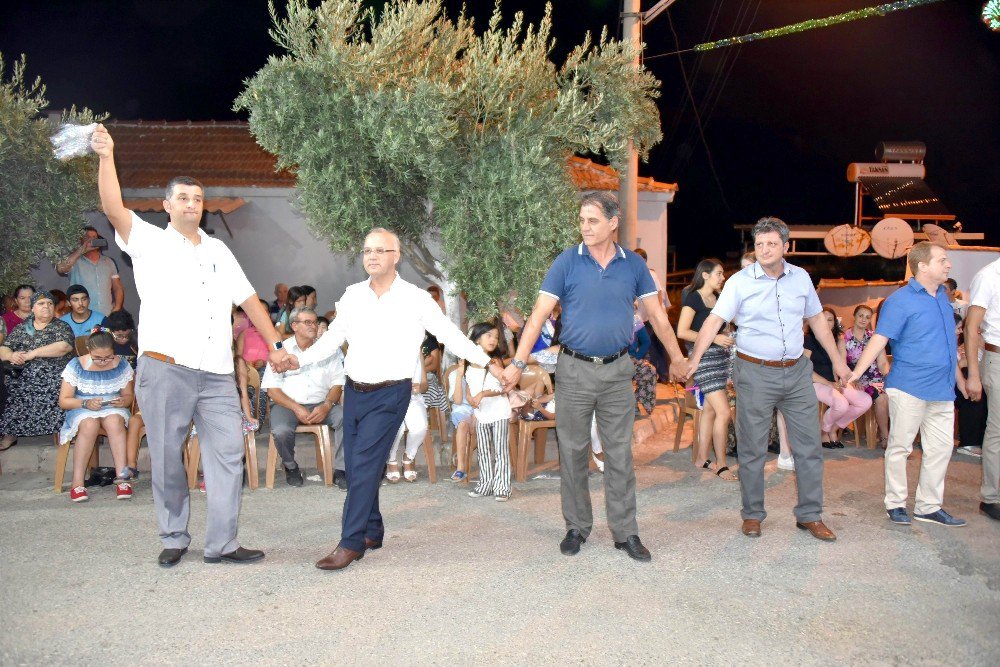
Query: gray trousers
(584, 390)
(170, 397)
(759, 390)
(284, 423)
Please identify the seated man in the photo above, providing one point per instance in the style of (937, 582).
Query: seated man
(309, 395)
(81, 319)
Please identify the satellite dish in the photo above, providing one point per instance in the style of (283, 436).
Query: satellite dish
(938, 235)
(847, 241)
(892, 238)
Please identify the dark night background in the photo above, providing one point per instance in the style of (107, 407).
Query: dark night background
(783, 117)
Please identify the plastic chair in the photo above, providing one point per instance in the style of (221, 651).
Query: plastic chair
(686, 407)
(536, 430)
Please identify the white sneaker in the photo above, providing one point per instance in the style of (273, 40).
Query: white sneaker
(970, 450)
(786, 463)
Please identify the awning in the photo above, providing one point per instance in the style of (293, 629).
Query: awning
(218, 205)
(902, 196)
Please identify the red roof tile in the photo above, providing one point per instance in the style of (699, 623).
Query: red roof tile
(150, 153)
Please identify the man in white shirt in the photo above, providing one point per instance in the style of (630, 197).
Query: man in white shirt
(188, 283)
(383, 320)
(983, 325)
(309, 395)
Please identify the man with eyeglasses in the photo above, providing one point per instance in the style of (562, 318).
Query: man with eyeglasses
(309, 396)
(383, 320)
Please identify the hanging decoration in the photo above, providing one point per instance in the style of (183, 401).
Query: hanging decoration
(846, 17)
(991, 15)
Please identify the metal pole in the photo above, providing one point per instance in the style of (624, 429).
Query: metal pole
(628, 194)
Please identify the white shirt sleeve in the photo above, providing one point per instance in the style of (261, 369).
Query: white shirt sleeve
(729, 300)
(329, 344)
(272, 380)
(445, 331)
(141, 236)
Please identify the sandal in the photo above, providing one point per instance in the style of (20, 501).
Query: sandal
(707, 465)
(392, 472)
(732, 475)
(409, 469)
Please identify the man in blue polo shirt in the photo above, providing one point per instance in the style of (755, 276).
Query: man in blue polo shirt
(596, 283)
(921, 384)
(81, 318)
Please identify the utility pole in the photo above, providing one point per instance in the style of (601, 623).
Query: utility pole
(633, 19)
(628, 187)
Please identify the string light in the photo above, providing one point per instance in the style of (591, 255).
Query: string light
(855, 15)
(991, 15)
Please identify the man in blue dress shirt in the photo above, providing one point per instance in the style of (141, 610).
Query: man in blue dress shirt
(921, 384)
(596, 282)
(768, 301)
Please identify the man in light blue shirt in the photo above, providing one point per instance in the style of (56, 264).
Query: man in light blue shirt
(89, 267)
(768, 301)
(81, 319)
(921, 384)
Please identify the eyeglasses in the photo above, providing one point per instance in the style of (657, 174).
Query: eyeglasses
(102, 360)
(378, 252)
(309, 323)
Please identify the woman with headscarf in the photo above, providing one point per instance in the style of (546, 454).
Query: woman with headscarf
(35, 354)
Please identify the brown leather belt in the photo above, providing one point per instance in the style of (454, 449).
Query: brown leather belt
(159, 357)
(992, 348)
(765, 362)
(365, 387)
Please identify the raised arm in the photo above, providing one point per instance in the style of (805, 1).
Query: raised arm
(107, 183)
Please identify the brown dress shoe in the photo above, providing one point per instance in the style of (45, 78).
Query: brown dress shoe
(372, 544)
(818, 530)
(751, 527)
(339, 559)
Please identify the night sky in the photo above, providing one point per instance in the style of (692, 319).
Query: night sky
(783, 117)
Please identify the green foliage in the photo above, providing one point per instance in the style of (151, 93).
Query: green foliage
(410, 120)
(42, 200)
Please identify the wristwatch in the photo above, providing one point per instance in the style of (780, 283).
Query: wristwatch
(277, 345)
(518, 364)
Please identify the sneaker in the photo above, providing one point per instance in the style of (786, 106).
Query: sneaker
(476, 493)
(293, 476)
(79, 494)
(599, 461)
(941, 518)
(201, 485)
(970, 450)
(786, 463)
(898, 516)
(129, 473)
(123, 490)
(458, 476)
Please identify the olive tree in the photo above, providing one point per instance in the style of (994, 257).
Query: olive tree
(43, 201)
(455, 139)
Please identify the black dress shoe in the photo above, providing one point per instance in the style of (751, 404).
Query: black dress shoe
(170, 557)
(340, 479)
(570, 545)
(294, 476)
(992, 510)
(633, 547)
(238, 555)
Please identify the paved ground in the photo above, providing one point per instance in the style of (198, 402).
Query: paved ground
(473, 581)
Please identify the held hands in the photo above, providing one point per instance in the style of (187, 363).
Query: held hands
(974, 388)
(681, 369)
(722, 340)
(844, 374)
(962, 385)
(101, 142)
(281, 361)
(509, 378)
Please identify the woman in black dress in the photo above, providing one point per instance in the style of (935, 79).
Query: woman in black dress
(712, 375)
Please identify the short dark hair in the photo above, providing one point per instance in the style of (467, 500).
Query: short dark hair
(17, 290)
(119, 320)
(642, 253)
(920, 252)
(606, 201)
(77, 289)
(307, 289)
(322, 320)
(952, 284)
(771, 224)
(182, 180)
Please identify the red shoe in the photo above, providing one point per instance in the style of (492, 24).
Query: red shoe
(201, 485)
(123, 490)
(79, 494)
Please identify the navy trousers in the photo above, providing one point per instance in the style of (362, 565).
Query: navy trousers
(371, 421)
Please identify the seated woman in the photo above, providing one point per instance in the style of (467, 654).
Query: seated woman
(645, 372)
(20, 309)
(415, 426)
(296, 299)
(845, 403)
(872, 381)
(251, 350)
(462, 418)
(96, 392)
(37, 351)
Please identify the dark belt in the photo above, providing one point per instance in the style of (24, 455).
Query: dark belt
(764, 362)
(159, 357)
(595, 360)
(992, 348)
(365, 387)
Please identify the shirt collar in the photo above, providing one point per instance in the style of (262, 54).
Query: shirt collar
(582, 249)
(917, 287)
(201, 233)
(758, 270)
